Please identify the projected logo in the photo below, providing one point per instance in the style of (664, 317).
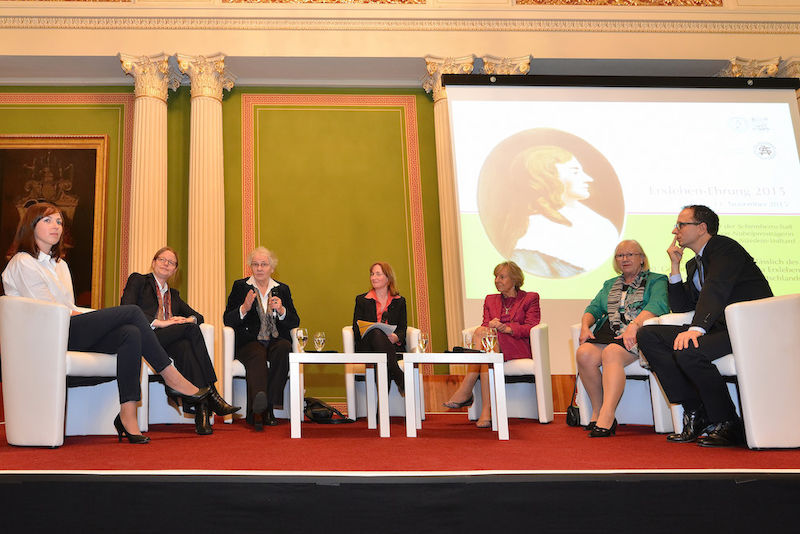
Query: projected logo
(764, 150)
(551, 202)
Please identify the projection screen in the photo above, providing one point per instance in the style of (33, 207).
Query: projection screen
(628, 159)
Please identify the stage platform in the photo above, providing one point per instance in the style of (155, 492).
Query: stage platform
(453, 478)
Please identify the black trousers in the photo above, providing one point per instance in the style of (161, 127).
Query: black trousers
(688, 375)
(377, 341)
(123, 330)
(186, 346)
(267, 368)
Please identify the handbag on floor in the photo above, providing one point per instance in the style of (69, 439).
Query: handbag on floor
(573, 412)
(318, 411)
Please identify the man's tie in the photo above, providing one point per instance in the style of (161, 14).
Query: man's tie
(700, 272)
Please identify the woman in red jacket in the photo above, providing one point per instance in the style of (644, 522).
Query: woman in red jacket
(512, 312)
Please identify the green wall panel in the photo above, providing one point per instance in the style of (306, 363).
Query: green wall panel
(331, 197)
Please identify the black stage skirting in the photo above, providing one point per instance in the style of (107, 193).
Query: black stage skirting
(575, 502)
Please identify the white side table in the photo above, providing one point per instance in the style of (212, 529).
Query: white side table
(497, 386)
(296, 385)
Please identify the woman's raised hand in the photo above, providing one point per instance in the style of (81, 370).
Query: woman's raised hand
(248, 301)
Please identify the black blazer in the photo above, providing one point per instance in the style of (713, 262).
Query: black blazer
(142, 290)
(247, 329)
(395, 314)
(731, 275)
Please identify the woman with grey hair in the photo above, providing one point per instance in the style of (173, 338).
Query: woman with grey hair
(261, 312)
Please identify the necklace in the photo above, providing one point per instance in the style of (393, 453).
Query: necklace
(510, 303)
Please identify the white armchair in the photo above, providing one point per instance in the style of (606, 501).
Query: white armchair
(355, 383)
(768, 364)
(155, 403)
(643, 401)
(235, 391)
(36, 369)
(529, 387)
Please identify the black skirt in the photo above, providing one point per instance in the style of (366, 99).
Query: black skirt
(605, 336)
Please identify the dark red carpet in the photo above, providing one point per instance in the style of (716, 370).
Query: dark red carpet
(447, 442)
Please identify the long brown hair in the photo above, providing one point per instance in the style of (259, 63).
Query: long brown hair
(387, 270)
(25, 238)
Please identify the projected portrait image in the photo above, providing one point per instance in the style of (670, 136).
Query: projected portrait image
(551, 202)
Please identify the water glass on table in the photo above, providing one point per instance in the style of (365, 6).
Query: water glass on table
(319, 341)
(302, 338)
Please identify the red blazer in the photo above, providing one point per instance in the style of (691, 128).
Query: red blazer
(523, 315)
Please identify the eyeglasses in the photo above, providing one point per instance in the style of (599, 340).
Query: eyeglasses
(165, 261)
(679, 225)
(262, 265)
(627, 255)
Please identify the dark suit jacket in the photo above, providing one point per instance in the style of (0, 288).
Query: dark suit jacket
(246, 329)
(731, 275)
(394, 314)
(142, 290)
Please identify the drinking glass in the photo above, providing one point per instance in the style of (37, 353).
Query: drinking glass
(492, 339)
(486, 342)
(302, 337)
(466, 340)
(319, 341)
(423, 342)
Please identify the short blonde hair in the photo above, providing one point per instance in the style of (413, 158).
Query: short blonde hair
(645, 261)
(273, 261)
(514, 272)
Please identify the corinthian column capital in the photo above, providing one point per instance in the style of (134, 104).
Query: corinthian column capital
(151, 74)
(742, 67)
(789, 68)
(436, 66)
(506, 65)
(208, 75)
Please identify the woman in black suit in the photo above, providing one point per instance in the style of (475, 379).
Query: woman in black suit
(382, 304)
(176, 326)
(261, 312)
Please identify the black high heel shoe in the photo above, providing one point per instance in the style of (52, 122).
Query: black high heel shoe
(202, 394)
(456, 405)
(600, 432)
(132, 438)
(591, 425)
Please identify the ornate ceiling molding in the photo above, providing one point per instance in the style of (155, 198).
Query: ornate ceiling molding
(405, 24)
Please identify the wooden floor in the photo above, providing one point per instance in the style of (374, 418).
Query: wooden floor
(439, 389)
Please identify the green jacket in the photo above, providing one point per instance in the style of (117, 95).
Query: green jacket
(655, 298)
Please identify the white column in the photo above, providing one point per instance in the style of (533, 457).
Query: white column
(206, 261)
(148, 215)
(448, 205)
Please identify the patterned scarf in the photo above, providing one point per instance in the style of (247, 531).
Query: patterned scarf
(268, 329)
(621, 313)
(164, 304)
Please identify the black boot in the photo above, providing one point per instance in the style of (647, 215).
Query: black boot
(259, 409)
(202, 423)
(218, 405)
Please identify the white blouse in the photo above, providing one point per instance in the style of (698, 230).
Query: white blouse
(41, 278)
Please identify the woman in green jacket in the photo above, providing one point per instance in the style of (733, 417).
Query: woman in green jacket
(616, 313)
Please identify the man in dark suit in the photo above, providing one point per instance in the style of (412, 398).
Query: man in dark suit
(721, 273)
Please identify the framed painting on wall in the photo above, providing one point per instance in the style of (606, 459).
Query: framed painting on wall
(70, 172)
